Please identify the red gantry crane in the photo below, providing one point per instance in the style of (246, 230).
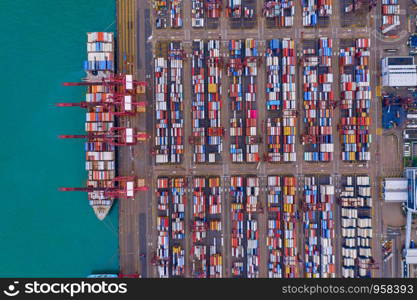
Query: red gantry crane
(123, 104)
(117, 136)
(121, 188)
(119, 80)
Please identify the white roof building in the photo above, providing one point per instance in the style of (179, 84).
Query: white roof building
(395, 189)
(399, 71)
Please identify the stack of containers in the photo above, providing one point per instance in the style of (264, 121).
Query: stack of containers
(282, 11)
(100, 52)
(390, 15)
(163, 224)
(199, 227)
(198, 253)
(213, 8)
(234, 71)
(176, 13)
(325, 8)
(318, 96)
(363, 99)
(319, 229)
(216, 263)
(252, 250)
(178, 261)
(290, 228)
(238, 233)
(178, 194)
(309, 12)
(289, 99)
(215, 226)
(327, 234)
(198, 104)
(356, 204)
(234, 9)
(251, 72)
(176, 104)
(162, 250)
(161, 109)
(197, 13)
(274, 234)
(273, 84)
(355, 102)
(273, 100)
(311, 222)
(215, 130)
(161, 11)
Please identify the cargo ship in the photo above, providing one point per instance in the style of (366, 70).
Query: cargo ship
(100, 155)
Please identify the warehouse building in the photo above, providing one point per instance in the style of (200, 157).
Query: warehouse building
(399, 71)
(395, 190)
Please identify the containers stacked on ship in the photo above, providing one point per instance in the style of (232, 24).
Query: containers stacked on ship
(100, 155)
(161, 14)
(235, 71)
(206, 226)
(356, 226)
(289, 221)
(275, 232)
(279, 13)
(250, 77)
(163, 226)
(100, 55)
(252, 250)
(176, 13)
(177, 214)
(355, 102)
(162, 110)
(238, 234)
(390, 15)
(281, 104)
(197, 13)
(319, 257)
(318, 98)
(316, 12)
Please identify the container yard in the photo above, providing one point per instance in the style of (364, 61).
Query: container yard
(316, 12)
(318, 100)
(241, 13)
(390, 13)
(169, 137)
(168, 14)
(355, 100)
(356, 226)
(244, 192)
(206, 228)
(281, 230)
(207, 132)
(281, 101)
(197, 14)
(170, 253)
(253, 170)
(242, 71)
(279, 13)
(318, 224)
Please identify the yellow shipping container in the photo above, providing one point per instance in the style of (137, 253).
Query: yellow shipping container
(212, 88)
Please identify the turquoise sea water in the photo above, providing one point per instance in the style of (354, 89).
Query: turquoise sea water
(44, 232)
